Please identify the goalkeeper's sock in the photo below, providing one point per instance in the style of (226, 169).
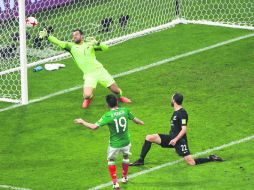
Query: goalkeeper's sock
(90, 97)
(86, 102)
(125, 167)
(120, 94)
(121, 98)
(145, 149)
(112, 171)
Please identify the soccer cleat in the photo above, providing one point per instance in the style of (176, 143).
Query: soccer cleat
(86, 103)
(215, 158)
(124, 100)
(116, 186)
(137, 163)
(124, 180)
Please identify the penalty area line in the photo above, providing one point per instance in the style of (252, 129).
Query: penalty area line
(138, 69)
(12, 187)
(177, 161)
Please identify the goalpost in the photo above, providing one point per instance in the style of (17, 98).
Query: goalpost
(112, 21)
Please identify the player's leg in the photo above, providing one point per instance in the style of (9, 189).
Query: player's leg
(107, 80)
(182, 149)
(197, 161)
(88, 96)
(189, 160)
(88, 92)
(112, 154)
(125, 163)
(112, 172)
(115, 89)
(118, 92)
(125, 168)
(89, 86)
(155, 138)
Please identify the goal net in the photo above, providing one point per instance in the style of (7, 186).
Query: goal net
(10, 83)
(113, 21)
(228, 13)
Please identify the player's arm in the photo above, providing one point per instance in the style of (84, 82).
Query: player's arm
(62, 44)
(180, 135)
(44, 34)
(134, 119)
(86, 124)
(138, 121)
(100, 46)
(97, 45)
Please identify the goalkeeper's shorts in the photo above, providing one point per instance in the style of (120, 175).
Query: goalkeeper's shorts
(101, 76)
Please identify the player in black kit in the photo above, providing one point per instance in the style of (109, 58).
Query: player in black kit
(177, 137)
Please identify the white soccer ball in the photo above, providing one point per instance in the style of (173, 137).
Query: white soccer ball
(31, 22)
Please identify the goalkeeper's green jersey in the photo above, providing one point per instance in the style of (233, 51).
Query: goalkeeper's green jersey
(83, 54)
(117, 121)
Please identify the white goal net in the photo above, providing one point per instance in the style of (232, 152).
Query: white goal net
(230, 13)
(113, 21)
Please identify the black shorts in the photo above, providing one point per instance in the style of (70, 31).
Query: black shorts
(181, 146)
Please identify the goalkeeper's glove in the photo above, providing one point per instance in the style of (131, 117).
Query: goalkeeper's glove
(43, 34)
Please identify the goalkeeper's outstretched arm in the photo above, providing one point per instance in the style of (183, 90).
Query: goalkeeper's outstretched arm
(44, 34)
(99, 46)
(62, 44)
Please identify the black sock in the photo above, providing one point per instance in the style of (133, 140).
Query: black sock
(202, 160)
(145, 149)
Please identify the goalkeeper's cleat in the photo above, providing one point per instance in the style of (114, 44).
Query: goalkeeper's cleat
(215, 158)
(124, 100)
(43, 34)
(139, 162)
(116, 186)
(124, 180)
(86, 103)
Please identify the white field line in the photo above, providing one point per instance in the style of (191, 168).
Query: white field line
(138, 69)
(177, 161)
(157, 167)
(12, 187)
(211, 23)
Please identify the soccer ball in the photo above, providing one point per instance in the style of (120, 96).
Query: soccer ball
(31, 22)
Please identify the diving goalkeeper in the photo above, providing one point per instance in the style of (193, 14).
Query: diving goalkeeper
(83, 54)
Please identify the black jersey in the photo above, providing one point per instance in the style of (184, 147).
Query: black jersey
(178, 119)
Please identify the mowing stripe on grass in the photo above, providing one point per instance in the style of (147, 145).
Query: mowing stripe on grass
(138, 69)
(12, 187)
(177, 161)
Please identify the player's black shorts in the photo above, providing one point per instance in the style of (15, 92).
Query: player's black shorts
(181, 146)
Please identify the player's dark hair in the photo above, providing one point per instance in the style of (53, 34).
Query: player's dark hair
(78, 30)
(111, 100)
(178, 98)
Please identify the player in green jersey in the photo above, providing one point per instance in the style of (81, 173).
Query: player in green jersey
(82, 51)
(117, 121)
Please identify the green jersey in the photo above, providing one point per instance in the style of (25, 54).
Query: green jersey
(83, 54)
(117, 121)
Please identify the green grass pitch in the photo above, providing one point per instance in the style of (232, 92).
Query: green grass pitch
(41, 148)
